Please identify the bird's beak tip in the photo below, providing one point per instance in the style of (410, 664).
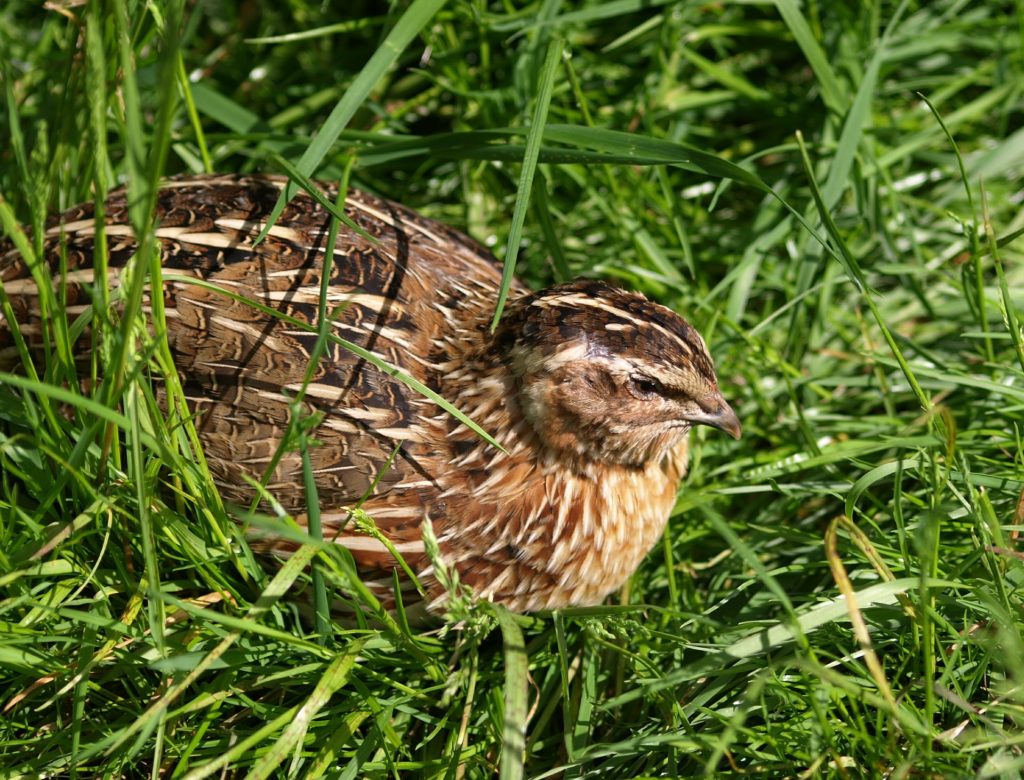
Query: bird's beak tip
(725, 419)
(730, 423)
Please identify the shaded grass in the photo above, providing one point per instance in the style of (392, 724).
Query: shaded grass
(860, 304)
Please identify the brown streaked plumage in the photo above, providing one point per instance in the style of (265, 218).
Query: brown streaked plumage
(591, 390)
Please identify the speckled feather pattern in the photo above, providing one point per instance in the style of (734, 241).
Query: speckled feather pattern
(562, 519)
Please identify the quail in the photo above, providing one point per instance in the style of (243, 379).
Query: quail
(590, 390)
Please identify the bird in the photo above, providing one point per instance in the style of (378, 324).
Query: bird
(590, 390)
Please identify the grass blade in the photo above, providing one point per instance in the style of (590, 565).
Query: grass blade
(832, 91)
(533, 139)
(334, 677)
(513, 739)
(415, 18)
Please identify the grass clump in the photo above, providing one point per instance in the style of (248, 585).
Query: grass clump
(831, 192)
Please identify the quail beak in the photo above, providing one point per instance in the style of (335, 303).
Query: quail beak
(720, 416)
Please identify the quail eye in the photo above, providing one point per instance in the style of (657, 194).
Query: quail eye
(644, 386)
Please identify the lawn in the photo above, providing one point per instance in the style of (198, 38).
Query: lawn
(830, 191)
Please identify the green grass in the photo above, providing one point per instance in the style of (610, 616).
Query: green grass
(831, 192)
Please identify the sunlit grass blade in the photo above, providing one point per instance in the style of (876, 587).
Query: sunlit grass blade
(333, 678)
(408, 26)
(832, 91)
(513, 732)
(533, 140)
